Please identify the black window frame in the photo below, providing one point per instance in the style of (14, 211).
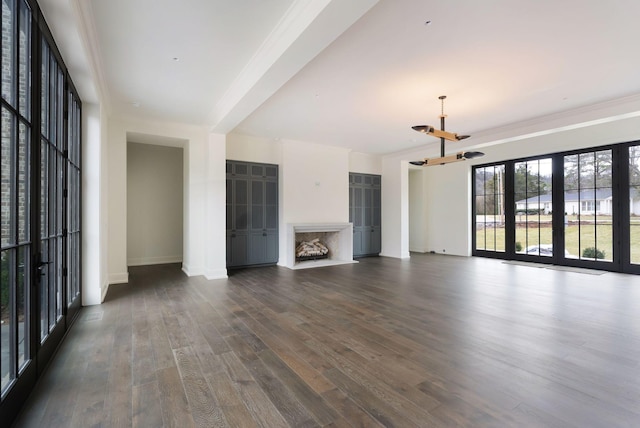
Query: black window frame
(68, 131)
(620, 211)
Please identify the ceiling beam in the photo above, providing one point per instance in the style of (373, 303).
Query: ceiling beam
(308, 27)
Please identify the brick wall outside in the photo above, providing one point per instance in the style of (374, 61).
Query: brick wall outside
(14, 138)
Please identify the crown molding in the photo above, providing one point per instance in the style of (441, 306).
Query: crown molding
(582, 117)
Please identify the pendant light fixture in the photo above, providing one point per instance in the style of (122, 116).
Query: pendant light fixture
(443, 135)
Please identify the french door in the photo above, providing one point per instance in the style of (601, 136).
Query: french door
(577, 209)
(39, 201)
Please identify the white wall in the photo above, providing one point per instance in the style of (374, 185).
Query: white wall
(313, 178)
(448, 209)
(94, 236)
(365, 163)
(314, 186)
(117, 203)
(395, 208)
(204, 190)
(154, 204)
(417, 211)
(253, 149)
(213, 225)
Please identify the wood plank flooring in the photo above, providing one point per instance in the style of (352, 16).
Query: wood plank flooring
(434, 341)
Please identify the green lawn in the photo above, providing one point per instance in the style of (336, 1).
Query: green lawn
(576, 238)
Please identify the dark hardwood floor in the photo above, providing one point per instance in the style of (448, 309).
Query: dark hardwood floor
(434, 341)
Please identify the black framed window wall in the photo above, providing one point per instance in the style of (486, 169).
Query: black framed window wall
(579, 208)
(40, 289)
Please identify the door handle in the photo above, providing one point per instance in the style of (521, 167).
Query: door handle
(40, 267)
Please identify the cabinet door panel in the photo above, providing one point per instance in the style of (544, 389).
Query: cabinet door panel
(258, 248)
(272, 248)
(238, 249)
(257, 205)
(366, 241)
(252, 214)
(271, 213)
(376, 219)
(365, 213)
(357, 241)
(376, 241)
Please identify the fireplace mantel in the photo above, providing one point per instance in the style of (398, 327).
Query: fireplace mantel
(341, 254)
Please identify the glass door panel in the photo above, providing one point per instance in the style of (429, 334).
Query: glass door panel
(533, 207)
(588, 200)
(490, 208)
(634, 205)
(52, 199)
(40, 184)
(15, 193)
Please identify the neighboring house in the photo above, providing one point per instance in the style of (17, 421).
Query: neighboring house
(540, 203)
(591, 201)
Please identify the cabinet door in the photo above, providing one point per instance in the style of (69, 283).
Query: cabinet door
(237, 214)
(365, 213)
(272, 253)
(358, 224)
(376, 220)
(271, 216)
(376, 208)
(252, 214)
(376, 240)
(237, 248)
(240, 212)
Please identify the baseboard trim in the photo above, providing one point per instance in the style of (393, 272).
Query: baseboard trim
(191, 271)
(418, 250)
(403, 255)
(216, 274)
(145, 261)
(119, 278)
(105, 289)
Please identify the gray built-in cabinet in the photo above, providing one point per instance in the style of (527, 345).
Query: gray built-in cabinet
(365, 212)
(252, 214)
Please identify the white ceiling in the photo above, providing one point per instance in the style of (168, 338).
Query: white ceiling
(358, 73)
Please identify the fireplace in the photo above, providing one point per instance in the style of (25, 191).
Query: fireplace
(337, 237)
(311, 246)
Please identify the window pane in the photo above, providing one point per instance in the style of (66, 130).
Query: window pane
(44, 93)
(44, 294)
(533, 190)
(24, 61)
(6, 347)
(589, 204)
(23, 183)
(489, 208)
(22, 305)
(8, 50)
(44, 190)
(60, 111)
(634, 203)
(6, 187)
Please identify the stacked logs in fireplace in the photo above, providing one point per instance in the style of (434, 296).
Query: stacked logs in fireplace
(311, 250)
